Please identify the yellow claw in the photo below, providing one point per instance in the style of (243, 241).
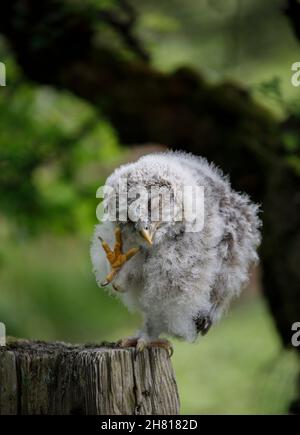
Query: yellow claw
(116, 257)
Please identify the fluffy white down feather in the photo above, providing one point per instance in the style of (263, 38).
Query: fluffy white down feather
(184, 276)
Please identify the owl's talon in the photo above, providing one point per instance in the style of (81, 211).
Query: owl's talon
(127, 342)
(143, 344)
(116, 257)
(164, 344)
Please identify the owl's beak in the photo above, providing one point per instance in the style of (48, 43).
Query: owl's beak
(146, 236)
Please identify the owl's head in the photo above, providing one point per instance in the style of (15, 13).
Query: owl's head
(151, 215)
(149, 199)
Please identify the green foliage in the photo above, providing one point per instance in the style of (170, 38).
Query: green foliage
(272, 89)
(291, 146)
(291, 142)
(290, 134)
(52, 152)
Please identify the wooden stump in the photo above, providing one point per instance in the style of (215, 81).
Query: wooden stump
(57, 378)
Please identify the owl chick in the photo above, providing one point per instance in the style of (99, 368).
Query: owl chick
(180, 275)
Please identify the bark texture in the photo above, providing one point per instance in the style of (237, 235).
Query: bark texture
(60, 379)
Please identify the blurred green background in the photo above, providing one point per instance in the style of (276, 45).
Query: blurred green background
(56, 150)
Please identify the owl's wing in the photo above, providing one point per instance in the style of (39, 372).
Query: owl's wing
(100, 264)
(237, 248)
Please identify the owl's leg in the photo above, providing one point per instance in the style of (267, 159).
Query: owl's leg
(142, 340)
(116, 257)
(149, 337)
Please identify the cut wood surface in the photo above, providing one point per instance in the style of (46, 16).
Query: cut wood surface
(58, 378)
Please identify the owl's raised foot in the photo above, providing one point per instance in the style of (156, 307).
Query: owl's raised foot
(116, 257)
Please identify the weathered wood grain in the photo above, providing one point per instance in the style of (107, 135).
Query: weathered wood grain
(57, 378)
